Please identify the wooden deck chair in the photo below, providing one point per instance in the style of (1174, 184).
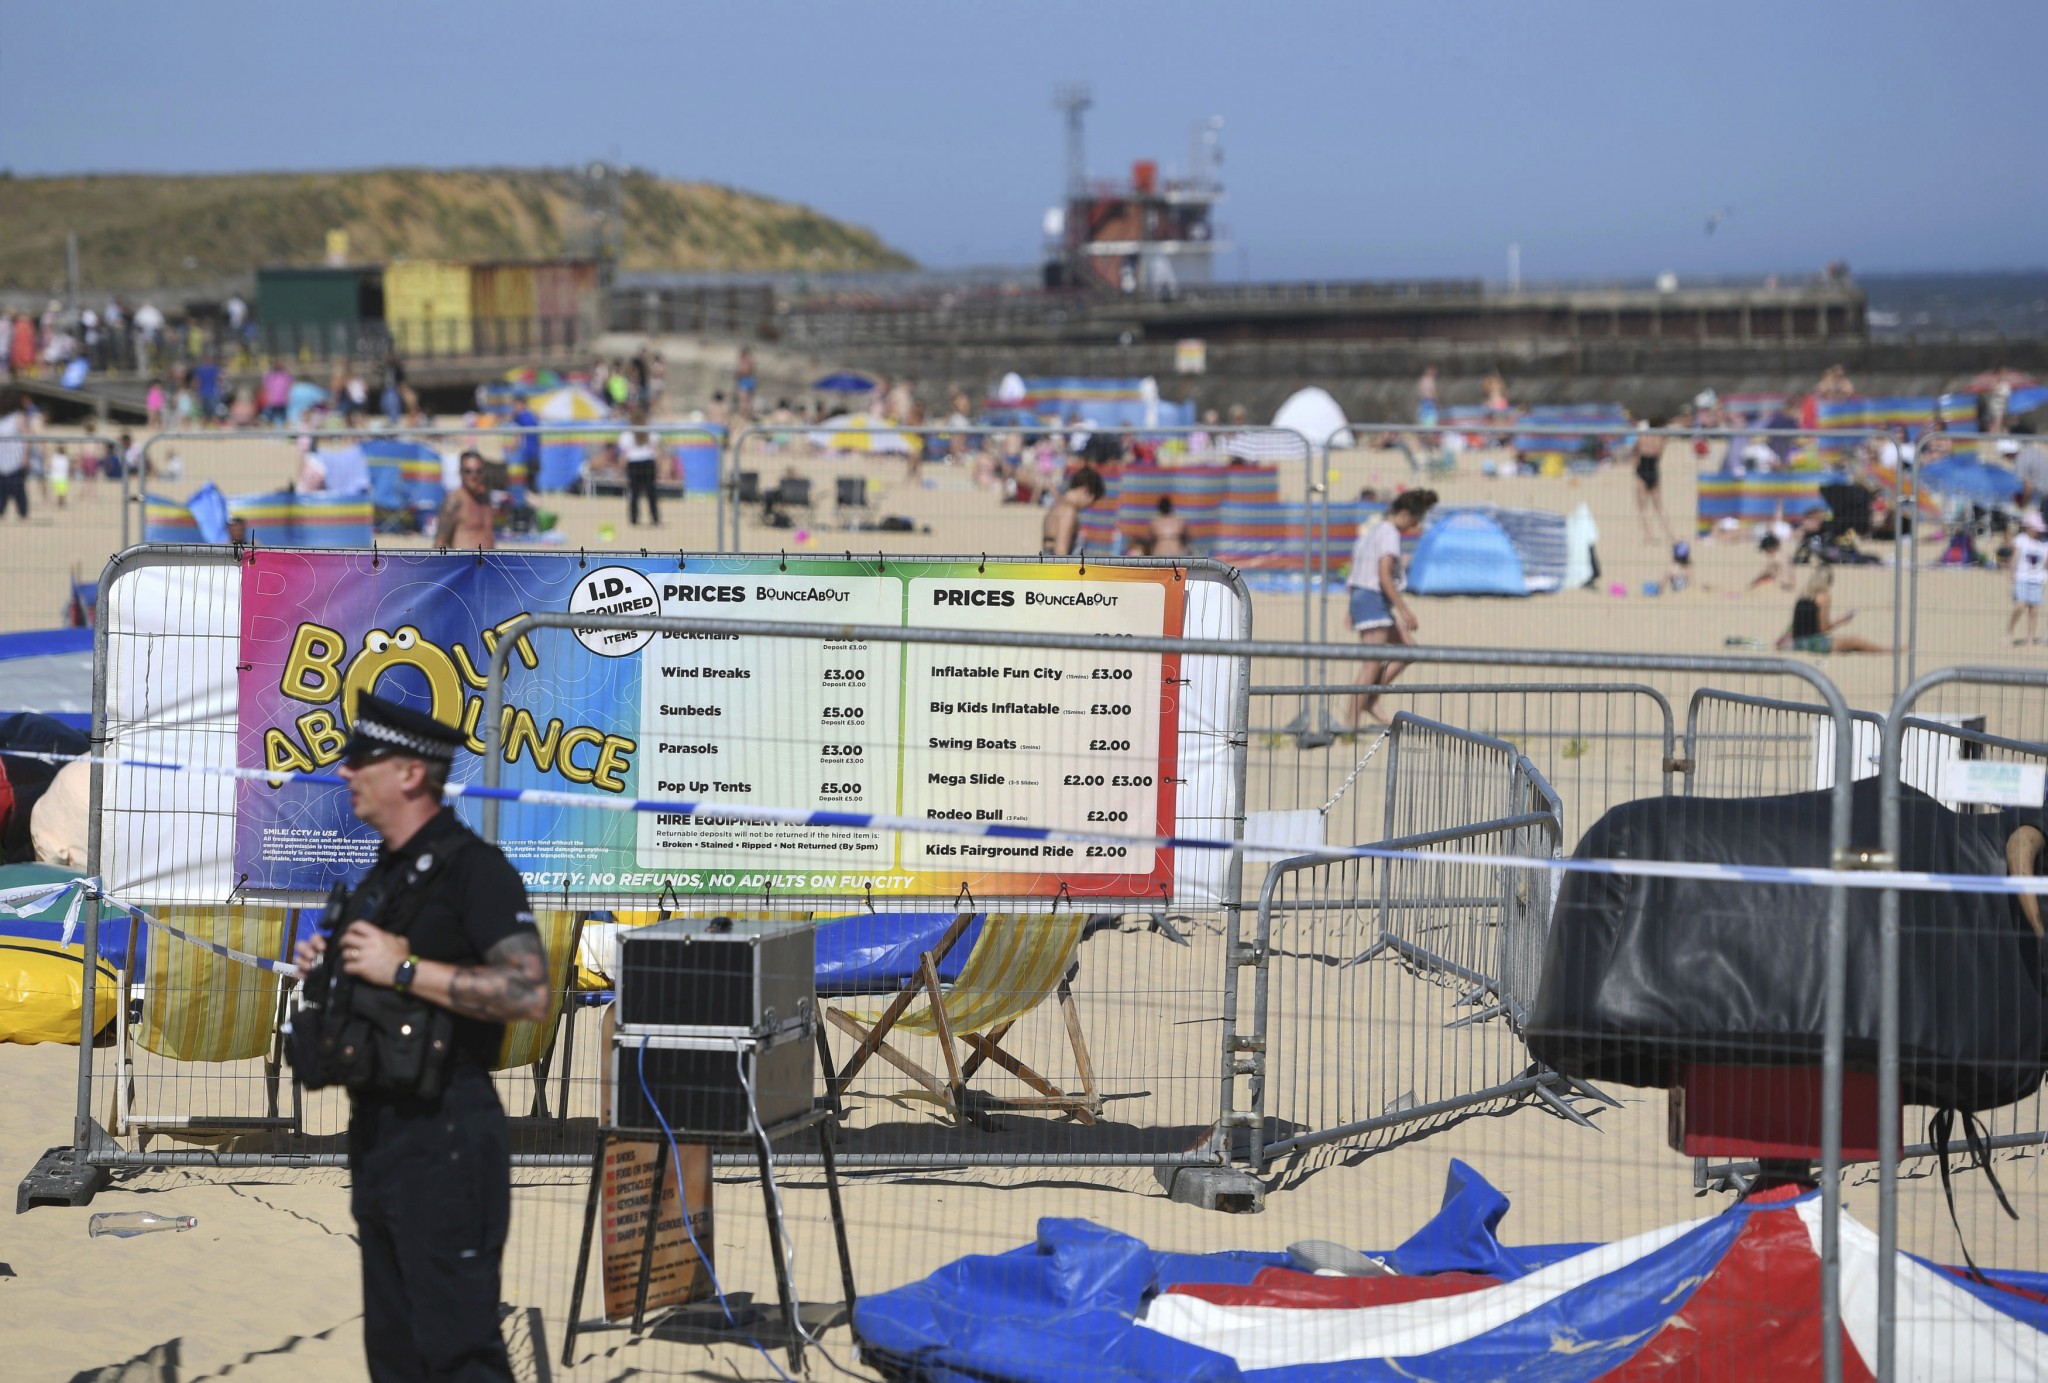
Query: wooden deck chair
(1017, 963)
(533, 1044)
(199, 1006)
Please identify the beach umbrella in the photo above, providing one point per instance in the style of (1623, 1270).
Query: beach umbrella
(844, 382)
(1965, 477)
(533, 377)
(569, 405)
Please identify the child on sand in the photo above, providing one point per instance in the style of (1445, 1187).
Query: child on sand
(2029, 574)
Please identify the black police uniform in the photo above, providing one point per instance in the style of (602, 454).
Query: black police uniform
(432, 1178)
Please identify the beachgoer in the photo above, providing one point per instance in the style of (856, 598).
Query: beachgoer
(2029, 574)
(743, 383)
(153, 405)
(441, 917)
(1379, 612)
(1166, 532)
(1649, 452)
(526, 452)
(465, 518)
(276, 394)
(639, 453)
(13, 459)
(392, 395)
(1777, 571)
(1680, 574)
(1425, 398)
(1062, 530)
(206, 384)
(57, 471)
(1814, 624)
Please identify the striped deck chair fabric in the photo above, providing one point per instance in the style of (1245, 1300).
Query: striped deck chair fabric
(1017, 963)
(1013, 969)
(526, 1043)
(198, 1006)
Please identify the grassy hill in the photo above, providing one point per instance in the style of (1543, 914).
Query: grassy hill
(141, 232)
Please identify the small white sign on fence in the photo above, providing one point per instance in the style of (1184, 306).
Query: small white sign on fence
(1993, 784)
(1285, 834)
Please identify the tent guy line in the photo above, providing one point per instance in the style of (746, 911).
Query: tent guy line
(1808, 876)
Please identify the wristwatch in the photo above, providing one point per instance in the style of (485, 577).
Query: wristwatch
(402, 980)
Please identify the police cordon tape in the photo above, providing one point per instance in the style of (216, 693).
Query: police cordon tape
(33, 898)
(1812, 876)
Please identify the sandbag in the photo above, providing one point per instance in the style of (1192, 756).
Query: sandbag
(1643, 974)
(42, 989)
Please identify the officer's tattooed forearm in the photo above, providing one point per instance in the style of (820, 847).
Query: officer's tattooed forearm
(509, 987)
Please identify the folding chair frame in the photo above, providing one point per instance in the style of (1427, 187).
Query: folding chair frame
(982, 1047)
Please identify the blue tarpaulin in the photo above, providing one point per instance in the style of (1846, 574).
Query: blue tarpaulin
(866, 953)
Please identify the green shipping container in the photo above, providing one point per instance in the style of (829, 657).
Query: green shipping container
(315, 307)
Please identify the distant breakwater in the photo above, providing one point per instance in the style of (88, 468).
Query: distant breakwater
(1374, 381)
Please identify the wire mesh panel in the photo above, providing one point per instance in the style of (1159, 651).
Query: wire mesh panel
(1751, 746)
(1398, 988)
(1392, 990)
(1962, 1011)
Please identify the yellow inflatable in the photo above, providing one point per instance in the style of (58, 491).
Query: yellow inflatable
(42, 986)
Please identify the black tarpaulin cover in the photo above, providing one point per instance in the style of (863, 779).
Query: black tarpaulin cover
(1643, 974)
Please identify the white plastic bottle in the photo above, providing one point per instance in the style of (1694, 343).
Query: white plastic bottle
(129, 1223)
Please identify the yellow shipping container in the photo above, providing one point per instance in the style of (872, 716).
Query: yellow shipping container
(427, 306)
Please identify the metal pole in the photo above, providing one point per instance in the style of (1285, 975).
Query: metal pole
(1889, 1095)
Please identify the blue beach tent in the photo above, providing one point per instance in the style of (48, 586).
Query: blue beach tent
(1466, 553)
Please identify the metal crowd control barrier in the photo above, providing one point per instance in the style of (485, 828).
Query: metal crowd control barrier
(1526, 828)
(1454, 928)
(1243, 1050)
(1757, 746)
(1277, 444)
(503, 439)
(1892, 762)
(1582, 736)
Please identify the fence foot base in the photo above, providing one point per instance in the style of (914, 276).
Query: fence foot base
(60, 1177)
(1229, 1189)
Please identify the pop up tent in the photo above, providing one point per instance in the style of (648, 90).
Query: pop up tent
(1316, 416)
(1467, 552)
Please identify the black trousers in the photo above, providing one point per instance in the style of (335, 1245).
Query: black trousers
(14, 489)
(432, 1194)
(640, 481)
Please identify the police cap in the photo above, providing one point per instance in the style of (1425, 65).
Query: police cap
(385, 727)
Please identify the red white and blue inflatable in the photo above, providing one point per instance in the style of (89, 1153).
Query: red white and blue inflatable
(1734, 1296)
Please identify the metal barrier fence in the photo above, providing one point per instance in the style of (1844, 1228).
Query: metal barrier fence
(1599, 743)
(1210, 1057)
(1754, 746)
(2025, 1127)
(855, 511)
(1459, 946)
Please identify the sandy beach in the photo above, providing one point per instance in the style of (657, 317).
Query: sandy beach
(266, 1287)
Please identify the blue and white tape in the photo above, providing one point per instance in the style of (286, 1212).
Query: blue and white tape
(30, 899)
(1806, 875)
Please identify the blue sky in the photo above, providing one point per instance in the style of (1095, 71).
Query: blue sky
(1362, 139)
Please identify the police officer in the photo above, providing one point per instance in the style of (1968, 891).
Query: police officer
(448, 923)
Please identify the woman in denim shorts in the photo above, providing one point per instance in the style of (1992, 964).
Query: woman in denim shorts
(1379, 612)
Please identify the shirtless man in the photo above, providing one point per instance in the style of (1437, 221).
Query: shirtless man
(466, 515)
(1166, 531)
(1063, 521)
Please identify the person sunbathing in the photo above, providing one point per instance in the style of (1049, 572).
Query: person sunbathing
(1814, 625)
